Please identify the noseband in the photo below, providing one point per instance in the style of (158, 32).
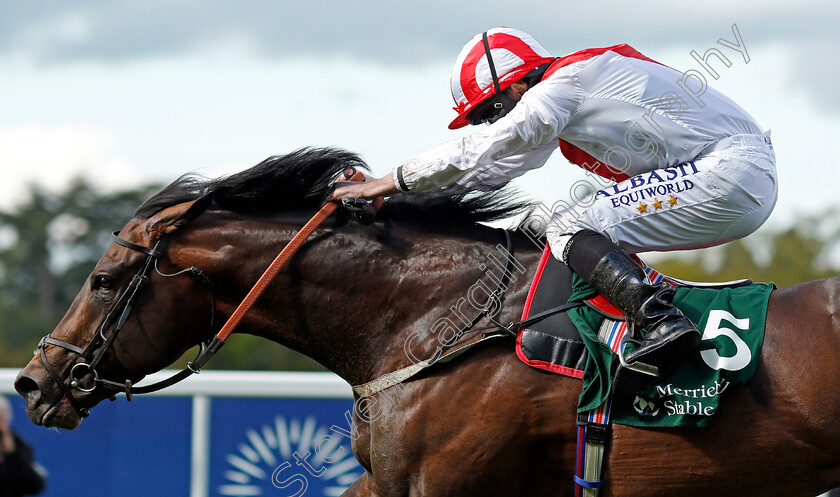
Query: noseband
(92, 354)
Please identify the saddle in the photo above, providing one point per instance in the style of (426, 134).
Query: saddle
(554, 344)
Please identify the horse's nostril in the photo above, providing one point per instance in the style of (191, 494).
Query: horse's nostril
(26, 386)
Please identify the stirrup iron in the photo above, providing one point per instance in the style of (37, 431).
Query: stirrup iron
(639, 367)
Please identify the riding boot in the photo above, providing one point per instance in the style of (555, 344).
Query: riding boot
(668, 334)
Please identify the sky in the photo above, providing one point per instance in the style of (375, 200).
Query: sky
(127, 92)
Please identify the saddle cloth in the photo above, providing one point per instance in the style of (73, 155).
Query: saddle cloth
(554, 344)
(583, 343)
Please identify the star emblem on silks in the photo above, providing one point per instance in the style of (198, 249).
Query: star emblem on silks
(672, 200)
(657, 204)
(642, 208)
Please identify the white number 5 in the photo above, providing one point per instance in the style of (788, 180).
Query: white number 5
(742, 355)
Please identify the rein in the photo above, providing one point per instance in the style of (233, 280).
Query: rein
(130, 297)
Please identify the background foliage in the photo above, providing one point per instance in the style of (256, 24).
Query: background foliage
(49, 244)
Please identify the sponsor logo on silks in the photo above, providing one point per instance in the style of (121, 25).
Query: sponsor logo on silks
(768, 142)
(645, 407)
(651, 191)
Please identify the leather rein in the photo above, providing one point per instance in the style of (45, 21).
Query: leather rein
(93, 353)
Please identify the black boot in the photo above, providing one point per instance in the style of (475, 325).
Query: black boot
(668, 334)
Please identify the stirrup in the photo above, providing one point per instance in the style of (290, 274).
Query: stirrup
(639, 367)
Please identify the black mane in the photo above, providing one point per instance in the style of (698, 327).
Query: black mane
(302, 179)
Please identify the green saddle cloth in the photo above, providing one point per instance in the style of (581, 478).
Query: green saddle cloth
(732, 323)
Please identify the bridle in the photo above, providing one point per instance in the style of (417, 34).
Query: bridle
(92, 355)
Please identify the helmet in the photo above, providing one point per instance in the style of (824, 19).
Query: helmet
(488, 64)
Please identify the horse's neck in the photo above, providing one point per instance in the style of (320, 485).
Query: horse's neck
(421, 288)
(437, 287)
(355, 295)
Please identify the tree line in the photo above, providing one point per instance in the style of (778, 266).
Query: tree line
(48, 246)
(50, 243)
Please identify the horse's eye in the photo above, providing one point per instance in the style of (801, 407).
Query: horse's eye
(103, 282)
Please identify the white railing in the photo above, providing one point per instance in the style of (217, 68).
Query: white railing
(235, 384)
(201, 387)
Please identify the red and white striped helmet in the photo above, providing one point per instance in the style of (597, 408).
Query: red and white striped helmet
(512, 52)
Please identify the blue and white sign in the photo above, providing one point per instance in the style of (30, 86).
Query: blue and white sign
(281, 448)
(218, 434)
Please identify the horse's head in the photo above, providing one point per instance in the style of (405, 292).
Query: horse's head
(126, 322)
(331, 302)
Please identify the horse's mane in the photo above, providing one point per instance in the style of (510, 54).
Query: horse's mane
(302, 180)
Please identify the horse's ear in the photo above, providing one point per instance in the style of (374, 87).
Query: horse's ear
(177, 216)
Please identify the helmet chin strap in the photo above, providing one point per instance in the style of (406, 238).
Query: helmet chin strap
(496, 84)
(499, 101)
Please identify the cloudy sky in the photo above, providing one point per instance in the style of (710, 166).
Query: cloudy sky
(126, 92)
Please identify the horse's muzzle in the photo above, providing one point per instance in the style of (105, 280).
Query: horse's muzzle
(45, 408)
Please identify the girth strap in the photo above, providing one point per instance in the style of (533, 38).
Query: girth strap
(593, 432)
(396, 377)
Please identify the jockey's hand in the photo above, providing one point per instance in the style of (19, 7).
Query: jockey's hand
(367, 189)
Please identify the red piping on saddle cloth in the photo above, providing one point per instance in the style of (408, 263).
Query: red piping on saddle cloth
(547, 366)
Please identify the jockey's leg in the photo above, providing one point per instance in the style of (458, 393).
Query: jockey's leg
(722, 196)
(668, 334)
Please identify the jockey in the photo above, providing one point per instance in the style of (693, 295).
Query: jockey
(692, 168)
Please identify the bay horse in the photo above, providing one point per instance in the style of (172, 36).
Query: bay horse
(483, 424)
